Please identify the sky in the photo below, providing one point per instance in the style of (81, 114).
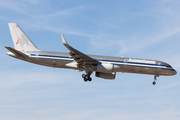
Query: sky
(128, 28)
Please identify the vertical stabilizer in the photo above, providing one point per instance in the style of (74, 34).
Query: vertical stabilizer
(20, 40)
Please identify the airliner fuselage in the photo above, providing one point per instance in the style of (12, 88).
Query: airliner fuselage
(104, 66)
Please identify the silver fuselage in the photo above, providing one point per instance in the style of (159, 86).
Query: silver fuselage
(120, 64)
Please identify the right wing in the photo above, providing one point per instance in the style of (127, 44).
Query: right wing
(81, 58)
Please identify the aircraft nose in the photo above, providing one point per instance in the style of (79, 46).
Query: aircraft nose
(174, 72)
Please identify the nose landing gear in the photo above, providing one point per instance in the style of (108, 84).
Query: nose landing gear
(155, 78)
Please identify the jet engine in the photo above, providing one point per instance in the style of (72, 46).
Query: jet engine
(104, 68)
(106, 75)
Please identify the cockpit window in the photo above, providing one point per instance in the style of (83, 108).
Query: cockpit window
(168, 66)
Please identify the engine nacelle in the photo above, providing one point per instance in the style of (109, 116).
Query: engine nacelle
(104, 68)
(106, 75)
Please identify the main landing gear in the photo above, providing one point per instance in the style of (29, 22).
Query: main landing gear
(87, 75)
(155, 78)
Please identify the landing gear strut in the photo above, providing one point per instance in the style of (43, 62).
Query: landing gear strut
(155, 78)
(87, 75)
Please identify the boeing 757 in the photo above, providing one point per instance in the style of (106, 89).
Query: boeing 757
(103, 66)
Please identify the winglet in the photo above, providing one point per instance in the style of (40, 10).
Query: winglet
(63, 40)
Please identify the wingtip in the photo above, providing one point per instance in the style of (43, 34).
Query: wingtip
(63, 39)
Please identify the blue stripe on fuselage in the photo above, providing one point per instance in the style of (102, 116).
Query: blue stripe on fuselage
(101, 60)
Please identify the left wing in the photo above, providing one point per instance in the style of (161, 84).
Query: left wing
(81, 58)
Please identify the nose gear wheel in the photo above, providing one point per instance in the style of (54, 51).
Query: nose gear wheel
(155, 78)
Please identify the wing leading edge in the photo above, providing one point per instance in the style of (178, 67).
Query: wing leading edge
(81, 58)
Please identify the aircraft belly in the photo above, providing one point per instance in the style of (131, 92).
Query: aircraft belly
(144, 70)
(53, 62)
(139, 70)
(45, 62)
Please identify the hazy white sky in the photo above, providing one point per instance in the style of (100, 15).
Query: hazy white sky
(138, 29)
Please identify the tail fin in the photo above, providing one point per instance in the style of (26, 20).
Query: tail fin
(20, 40)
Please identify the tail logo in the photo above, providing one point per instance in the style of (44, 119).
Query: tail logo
(17, 42)
(15, 26)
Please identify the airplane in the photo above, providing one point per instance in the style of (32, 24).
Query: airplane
(103, 66)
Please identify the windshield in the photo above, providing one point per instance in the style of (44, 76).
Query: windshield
(168, 66)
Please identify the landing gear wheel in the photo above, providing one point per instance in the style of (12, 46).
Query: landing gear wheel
(154, 83)
(83, 75)
(87, 76)
(85, 79)
(90, 79)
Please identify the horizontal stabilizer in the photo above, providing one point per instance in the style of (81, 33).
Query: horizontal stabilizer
(16, 52)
